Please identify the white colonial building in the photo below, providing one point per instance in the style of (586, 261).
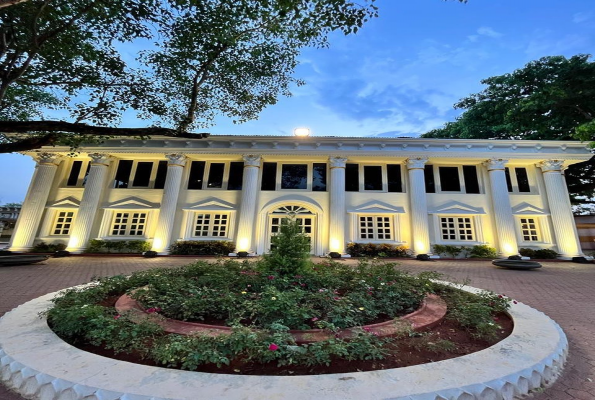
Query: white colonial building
(411, 192)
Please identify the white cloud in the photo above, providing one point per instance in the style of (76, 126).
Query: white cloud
(581, 17)
(489, 32)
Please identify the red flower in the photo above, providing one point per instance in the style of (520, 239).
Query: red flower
(273, 347)
(271, 277)
(515, 302)
(117, 316)
(314, 319)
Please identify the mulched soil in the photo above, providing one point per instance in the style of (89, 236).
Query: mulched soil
(421, 348)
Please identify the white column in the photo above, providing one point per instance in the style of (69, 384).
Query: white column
(505, 225)
(561, 211)
(169, 202)
(85, 217)
(337, 205)
(35, 201)
(247, 215)
(420, 230)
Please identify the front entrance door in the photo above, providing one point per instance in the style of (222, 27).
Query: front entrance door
(305, 218)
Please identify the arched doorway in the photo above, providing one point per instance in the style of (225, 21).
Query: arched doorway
(305, 217)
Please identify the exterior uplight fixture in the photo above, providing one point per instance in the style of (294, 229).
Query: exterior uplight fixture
(301, 132)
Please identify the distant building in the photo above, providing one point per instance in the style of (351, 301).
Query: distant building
(586, 231)
(403, 191)
(8, 219)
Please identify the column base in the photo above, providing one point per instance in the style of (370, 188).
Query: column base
(76, 250)
(19, 249)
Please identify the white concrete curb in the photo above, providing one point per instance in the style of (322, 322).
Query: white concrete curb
(39, 365)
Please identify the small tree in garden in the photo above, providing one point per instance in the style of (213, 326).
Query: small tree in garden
(290, 249)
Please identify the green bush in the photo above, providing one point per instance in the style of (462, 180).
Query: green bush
(377, 250)
(43, 247)
(525, 252)
(482, 251)
(118, 246)
(290, 249)
(202, 248)
(546, 254)
(452, 251)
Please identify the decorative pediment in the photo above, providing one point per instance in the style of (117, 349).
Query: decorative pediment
(67, 202)
(528, 209)
(376, 207)
(211, 204)
(132, 203)
(455, 207)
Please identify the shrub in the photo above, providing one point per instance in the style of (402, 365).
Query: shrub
(452, 251)
(482, 251)
(546, 254)
(290, 249)
(118, 246)
(43, 247)
(202, 248)
(377, 250)
(527, 252)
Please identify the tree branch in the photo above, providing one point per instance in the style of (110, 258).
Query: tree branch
(8, 3)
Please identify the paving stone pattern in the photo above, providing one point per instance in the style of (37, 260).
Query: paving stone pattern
(562, 290)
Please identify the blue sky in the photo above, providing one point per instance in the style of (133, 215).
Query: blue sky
(401, 74)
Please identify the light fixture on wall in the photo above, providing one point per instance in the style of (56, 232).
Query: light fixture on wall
(301, 131)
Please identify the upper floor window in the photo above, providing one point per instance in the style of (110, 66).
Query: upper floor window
(79, 171)
(385, 177)
(140, 174)
(282, 176)
(518, 181)
(460, 178)
(215, 175)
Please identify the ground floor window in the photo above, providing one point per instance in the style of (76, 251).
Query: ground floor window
(129, 224)
(211, 225)
(530, 230)
(375, 227)
(457, 229)
(63, 223)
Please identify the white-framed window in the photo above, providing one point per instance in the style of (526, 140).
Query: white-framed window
(519, 180)
(452, 179)
(77, 173)
(294, 176)
(148, 174)
(529, 228)
(211, 225)
(62, 223)
(374, 178)
(215, 175)
(132, 223)
(457, 229)
(375, 227)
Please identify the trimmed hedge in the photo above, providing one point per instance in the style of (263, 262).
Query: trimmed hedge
(543, 254)
(118, 246)
(43, 247)
(377, 250)
(202, 248)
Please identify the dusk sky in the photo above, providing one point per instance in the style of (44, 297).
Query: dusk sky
(401, 74)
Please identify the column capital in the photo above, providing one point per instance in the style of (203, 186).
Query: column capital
(495, 164)
(251, 160)
(100, 158)
(337, 162)
(48, 158)
(178, 159)
(416, 162)
(551, 165)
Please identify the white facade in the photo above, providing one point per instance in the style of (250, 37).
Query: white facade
(411, 192)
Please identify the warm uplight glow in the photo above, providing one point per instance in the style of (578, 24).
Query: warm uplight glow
(336, 245)
(158, 245)
(508, 249)
(243, 244)
(421, 247)
(301, 131)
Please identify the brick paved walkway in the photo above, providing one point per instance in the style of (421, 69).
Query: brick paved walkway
(562, 290)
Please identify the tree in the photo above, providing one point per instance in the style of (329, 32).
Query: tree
(552, 98)
(209, 57)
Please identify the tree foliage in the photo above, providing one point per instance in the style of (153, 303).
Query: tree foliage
(552, 98)
(198, 59)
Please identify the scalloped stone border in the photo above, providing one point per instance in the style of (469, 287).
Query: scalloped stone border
(39, 365)
(429, 314)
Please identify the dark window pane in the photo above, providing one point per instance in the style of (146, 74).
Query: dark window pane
(216, 175)
(372, 177)
(74, 173)
(352, 178)
(471, 182)
(142, 176)
(86, 174)
(449, 179)
(522, 179)
(197, 172)
(161, 175)
(294, 176)
(236, 174)
(508, 181)
(393, 172)
(429, 178)
(319, 178)
(269, 176)
(123, 174)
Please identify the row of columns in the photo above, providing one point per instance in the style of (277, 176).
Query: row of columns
(47, 164)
